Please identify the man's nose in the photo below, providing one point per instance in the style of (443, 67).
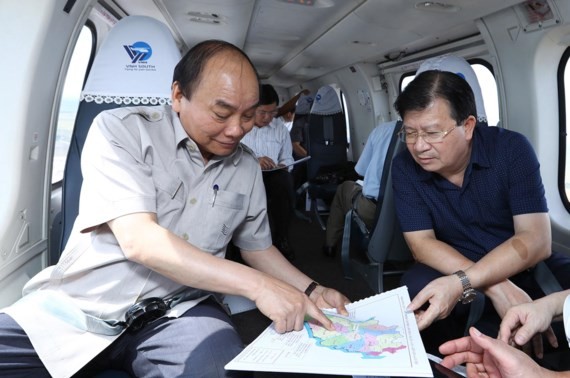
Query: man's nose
(236, 129)
(420, 144)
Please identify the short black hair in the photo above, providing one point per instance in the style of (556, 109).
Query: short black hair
(188, 71)
(431, 85)
(268, 95)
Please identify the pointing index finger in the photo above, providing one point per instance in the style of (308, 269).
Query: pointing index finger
(319, 316)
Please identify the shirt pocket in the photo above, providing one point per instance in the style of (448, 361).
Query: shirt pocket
(225, 211)
(169, 196)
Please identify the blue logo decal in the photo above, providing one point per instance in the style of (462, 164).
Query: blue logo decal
(139, 51)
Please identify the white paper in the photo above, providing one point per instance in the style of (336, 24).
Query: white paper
(288, 165)
(378, 338)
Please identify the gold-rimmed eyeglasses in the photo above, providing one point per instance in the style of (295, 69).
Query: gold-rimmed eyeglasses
(431, 137)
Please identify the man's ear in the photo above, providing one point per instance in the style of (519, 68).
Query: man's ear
(469, 125)
(176, 96)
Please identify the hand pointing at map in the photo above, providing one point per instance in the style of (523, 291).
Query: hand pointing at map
(323, 297)
(286, 306)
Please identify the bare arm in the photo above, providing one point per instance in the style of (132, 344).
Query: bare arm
(144, 241)
(522, 322)
(272, 262)
(529, 245)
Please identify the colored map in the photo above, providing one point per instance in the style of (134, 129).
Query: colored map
(368, 337)
(377, 338)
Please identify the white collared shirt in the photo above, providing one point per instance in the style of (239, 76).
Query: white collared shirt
(272, 141)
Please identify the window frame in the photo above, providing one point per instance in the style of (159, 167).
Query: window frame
(91, 27)
(563, 134)
(471, 62)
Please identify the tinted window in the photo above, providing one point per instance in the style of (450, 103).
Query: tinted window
(564, 105)
(488, 89)
(70, 100)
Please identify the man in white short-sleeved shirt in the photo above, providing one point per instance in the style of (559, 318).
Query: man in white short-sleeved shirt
(165, 189)
(270, 141)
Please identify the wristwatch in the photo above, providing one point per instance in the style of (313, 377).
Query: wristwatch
(469, 293)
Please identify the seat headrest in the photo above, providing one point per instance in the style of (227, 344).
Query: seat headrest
(461, 67)
(326, 102)
(303, 106)
(134, 64)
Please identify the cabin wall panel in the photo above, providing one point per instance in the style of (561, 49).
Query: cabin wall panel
(528, 63)
(31, 69)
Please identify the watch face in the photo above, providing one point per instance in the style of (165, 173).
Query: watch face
(468, 296)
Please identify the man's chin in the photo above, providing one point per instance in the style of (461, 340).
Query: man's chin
(225, 150)
(427, 165)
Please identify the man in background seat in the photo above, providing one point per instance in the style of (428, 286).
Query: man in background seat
(270, 141)
(360, 195)
(298, 136)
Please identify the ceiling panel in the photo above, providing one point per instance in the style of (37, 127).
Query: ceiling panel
(290, 42)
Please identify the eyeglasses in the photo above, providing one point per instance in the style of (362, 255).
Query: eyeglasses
(431, 137)
(264, 113)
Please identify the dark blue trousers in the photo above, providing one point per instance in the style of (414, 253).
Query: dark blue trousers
(197, 344)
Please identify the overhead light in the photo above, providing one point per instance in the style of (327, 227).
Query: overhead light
(300, 2)
(436, 6)
(395, 56)
(204, 17)
(310, 3)
(364, 43)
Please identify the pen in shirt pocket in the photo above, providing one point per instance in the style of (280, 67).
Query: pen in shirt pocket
(215, 188)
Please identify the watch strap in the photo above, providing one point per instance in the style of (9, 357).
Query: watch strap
(469, 293)
(465, 283)
(311, 288)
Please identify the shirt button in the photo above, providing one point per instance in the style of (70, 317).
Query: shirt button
(192, 148)
(185, 236)
(155, 115)
(193, 201)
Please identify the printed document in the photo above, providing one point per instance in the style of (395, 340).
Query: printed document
(378, 338)
(288, 165)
